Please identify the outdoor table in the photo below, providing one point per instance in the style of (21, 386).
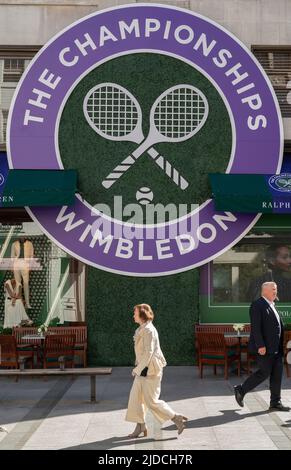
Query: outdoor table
(239, 336)
(33, 337)
(38, 347)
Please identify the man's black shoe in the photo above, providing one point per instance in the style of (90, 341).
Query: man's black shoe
(278, 407)
(239, 396)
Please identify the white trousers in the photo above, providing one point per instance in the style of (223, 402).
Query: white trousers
(145, 394)
(21, 272)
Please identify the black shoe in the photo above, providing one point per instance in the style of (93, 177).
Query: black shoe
(278, 407)
(239, 396)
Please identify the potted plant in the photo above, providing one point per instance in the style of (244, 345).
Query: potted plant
(42, 329)
(5, 331)
(238, 327)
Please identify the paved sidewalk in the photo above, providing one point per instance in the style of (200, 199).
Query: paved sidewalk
(57, 414)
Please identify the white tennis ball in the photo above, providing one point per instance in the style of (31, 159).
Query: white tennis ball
(144, 196)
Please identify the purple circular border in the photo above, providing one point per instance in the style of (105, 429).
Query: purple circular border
(33, 146)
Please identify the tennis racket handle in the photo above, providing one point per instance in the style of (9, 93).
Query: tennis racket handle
(118, 171)
(172, 173)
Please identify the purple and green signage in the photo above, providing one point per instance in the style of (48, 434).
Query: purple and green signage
(4, 170)
(36, 188)
(144, 101)
(252, 193)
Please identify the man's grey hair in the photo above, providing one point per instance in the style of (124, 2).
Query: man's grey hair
(268, 284)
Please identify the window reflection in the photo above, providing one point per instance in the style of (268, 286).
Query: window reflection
(50, 282)
(239, 273)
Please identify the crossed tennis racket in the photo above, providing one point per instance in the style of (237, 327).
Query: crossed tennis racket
(115, 114)
(285, 182)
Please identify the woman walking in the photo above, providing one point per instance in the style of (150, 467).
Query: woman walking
(146, 388)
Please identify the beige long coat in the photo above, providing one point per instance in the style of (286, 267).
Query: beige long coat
(145, 391)
(147, 349)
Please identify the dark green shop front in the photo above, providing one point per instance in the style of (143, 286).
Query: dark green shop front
(218, 292)
(233, 280)
(63, 290)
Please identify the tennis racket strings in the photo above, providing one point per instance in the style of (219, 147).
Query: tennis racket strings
(115, 114)
(179, 112)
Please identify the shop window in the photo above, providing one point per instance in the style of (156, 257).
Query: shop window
(13, 62)
(277, 63)
(51, 282)
(237, 275)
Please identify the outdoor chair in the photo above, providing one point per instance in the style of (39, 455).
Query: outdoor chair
(213, 350)
(56, 346)
(215, 328)
(80, 349)
(26, 346)
(9, 354)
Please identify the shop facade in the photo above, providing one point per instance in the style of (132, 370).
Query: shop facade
(67, 287)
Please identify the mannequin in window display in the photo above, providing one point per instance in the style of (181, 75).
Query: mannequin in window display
(14, 309)
(21, 253)
(278, 260)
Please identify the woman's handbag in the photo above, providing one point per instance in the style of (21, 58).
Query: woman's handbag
(144, 372)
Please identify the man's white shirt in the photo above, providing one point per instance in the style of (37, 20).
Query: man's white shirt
(272, 305)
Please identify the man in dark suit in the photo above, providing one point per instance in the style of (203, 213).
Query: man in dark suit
(266, 340)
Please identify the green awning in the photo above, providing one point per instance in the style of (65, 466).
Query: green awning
(251, 192)
(38, 188)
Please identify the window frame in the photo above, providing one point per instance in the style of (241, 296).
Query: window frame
(17, 52)
(273, 48)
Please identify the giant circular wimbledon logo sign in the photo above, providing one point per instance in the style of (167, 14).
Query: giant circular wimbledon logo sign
(144, 101)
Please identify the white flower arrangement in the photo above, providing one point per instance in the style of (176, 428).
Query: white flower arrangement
(42, 329)
(238, 327)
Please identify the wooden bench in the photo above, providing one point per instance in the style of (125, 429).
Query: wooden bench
(92, 372)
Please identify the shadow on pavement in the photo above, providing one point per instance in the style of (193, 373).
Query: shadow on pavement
(57, 398)
(115, 441)
(287, 424)
(228, 416)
